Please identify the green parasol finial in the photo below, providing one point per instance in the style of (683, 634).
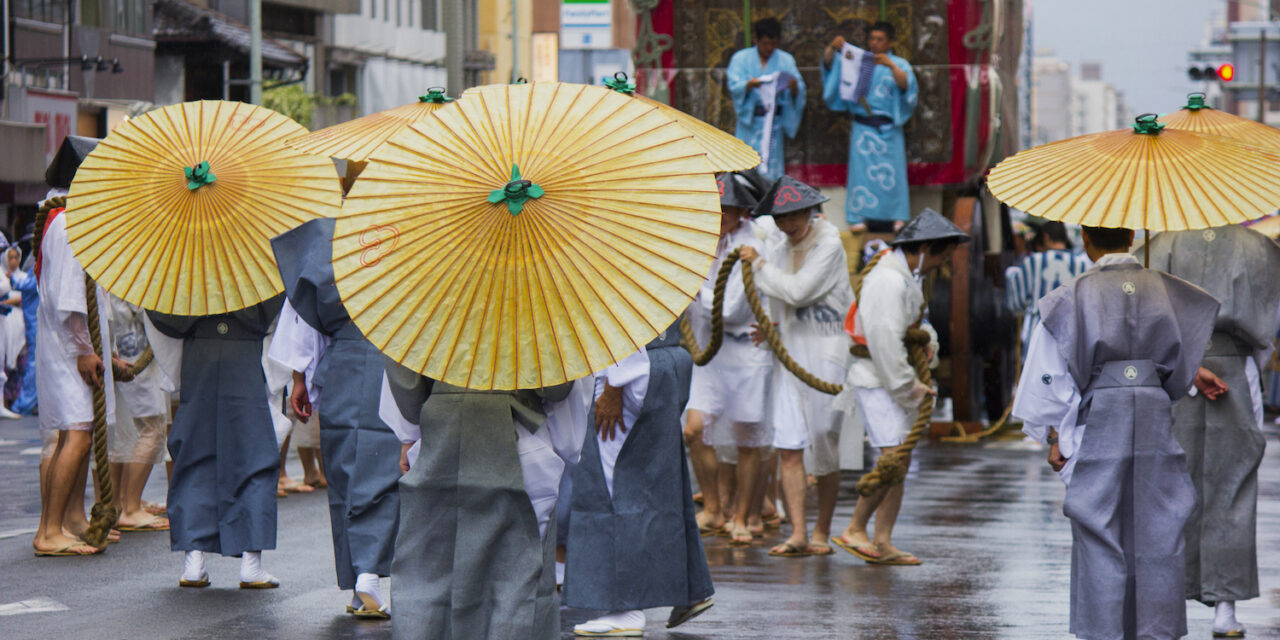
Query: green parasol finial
(1195, 102)
(516, 192)
(1147, 124)
(620, 83)
(435, 95)
(198, 176)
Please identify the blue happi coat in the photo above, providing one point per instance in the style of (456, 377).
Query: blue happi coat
(25, 283)
(877, 174)
(745, 65)
(1033, 278)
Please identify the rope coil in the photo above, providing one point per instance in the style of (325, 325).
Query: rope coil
(891, 467)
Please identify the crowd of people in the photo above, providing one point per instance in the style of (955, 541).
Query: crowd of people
(488, 509)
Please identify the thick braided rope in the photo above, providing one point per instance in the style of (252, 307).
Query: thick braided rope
(42, 217)
(104, 514)
(690, 341)
(891, 467)
(770, 334)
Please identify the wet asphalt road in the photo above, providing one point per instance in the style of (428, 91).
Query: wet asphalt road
(986, 520)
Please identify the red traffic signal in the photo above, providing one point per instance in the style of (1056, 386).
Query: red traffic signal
(1226, 72)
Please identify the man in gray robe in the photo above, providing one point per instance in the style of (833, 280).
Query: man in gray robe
(1115, 348)
(470, 561)
(1223, 438)
(222, 490)
(360, 454)
(633, 539)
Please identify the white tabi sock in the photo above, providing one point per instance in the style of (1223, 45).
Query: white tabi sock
(251, 569)
(368, 588)
(193, 566)
(615, 621)
(1224, 617)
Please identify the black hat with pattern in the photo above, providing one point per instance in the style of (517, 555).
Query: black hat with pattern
(788, 195)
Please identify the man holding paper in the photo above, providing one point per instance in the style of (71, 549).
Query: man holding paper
(768, 96)
(879, 89)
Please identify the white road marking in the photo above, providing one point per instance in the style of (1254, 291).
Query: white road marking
(13, 533)
(31, 451)
(34, 605)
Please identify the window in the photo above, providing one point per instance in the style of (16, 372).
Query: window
(430, 15)
(42, 10)
(131, 15)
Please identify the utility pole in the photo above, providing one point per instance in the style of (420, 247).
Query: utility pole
(515, 41)
(255, 51)
(1262, 73)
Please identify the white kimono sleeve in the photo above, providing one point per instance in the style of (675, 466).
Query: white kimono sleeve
(884, 319)
(406, 431)
(1047, 397)
(631, 374)
(298, 347)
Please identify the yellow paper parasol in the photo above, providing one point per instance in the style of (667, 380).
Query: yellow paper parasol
(1198, 117)
(1149, 177)
(175, 209)
(526, 237)
(724, 151)
(355, 140)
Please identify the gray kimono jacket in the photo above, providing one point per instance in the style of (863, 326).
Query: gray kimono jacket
(469, 560)
(361, 455)
(640, 548)
(222, 493)
(1131, 339)
(1222, 438)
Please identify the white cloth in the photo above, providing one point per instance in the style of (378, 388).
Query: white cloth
(568, 419)
(298, 347)
(143, 396)
(1047, 395)
(278, 378)
(891, 299)
(887, 422)
(808, 288)
(15, 332)
(631, 374)
(732, 389)
(63, 336)
(407, 431)
(168, 359)
(852, 71)
(770, 85)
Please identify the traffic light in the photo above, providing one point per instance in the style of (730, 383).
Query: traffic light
(1225, 73)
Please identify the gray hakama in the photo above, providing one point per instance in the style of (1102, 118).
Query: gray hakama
(469, 560)
(641, 547)
(222, 493)
(1131, 339)
(1223, 438)
(360, 454)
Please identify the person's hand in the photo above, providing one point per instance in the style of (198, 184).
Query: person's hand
(609, 413)
(837, 43)
(122, 365)
(1209, 384)
(884, 60)
(300, 400)
(748, 253)
(753, 83)
(404, 457)
(1055, 458)
(90, 368)
(757, 337)
(920, 390)
(794, 86)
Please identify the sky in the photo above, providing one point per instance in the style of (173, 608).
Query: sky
(1142, 44)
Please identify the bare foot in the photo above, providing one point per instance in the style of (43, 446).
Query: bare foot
(756, 527)
(792, 547)
(709, 521)
(62, 544)
(739, 536)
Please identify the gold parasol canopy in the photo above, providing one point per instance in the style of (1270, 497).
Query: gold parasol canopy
(175, 209)
(724, 151)
(528, 236)
(1200, 118)
(355, 140)
(1148, 177)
